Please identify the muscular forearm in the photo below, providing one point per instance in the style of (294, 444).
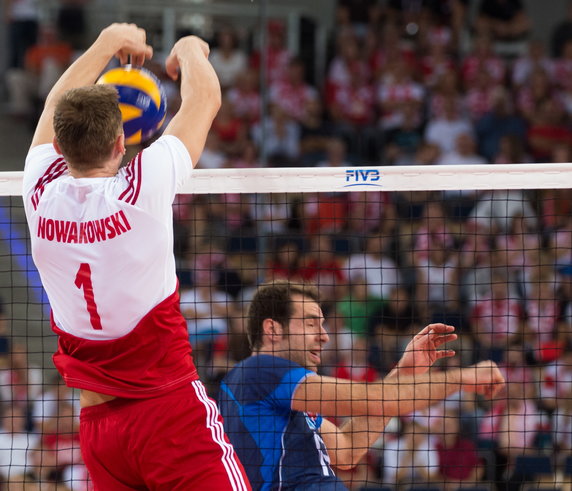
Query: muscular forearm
(84, 71)
(396, 396)
(357, 435)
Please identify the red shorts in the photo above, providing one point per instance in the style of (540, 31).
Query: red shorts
(172, 442)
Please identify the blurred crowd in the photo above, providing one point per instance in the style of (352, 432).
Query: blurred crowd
(406, 83)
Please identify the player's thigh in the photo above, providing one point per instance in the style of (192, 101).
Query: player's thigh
(187, 447)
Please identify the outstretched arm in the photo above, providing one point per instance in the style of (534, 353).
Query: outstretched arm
(348, 443)
(119, 40)
(200, 94)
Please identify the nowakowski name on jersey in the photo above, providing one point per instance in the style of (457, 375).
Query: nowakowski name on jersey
(83, 232)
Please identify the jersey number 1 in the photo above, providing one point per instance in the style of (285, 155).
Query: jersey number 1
(83, 281)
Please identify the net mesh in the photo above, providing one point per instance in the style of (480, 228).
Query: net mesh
(486, 249)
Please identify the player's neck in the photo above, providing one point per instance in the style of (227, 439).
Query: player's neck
(107, 169)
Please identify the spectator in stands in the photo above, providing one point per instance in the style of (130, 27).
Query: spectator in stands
(207, 310)
(336, 154)
(563, 66)
(501, 133)
(324, 212)
(213, 156)
(46, 61)
(396, 89)
(358, 15)
(346, 60)
(277, 54)
(374, 266)
(438, 59)
(447, 86)
(538, 88)
(58, 447)
(285, 262)
(391, 327)
(402, 142)
(227, 58)
(444, 130)
(535, 59)
(72, 22)
(371, 212)
(280, 136)
(459, 462)
(556, 382)
(504, 20)
(315, 134)
(561, 32)
(496, 319)
(437, 286)
(464, 152)
(434, 232)
(549, 127)
(519, 422)
(20, 380)
(46, 405)
(354, 362)
(17, 447)
(511, 151)
(412, 459)
(495, 210)
(322, 266)
(482, 58)
(248, 157)
(230, 130)
(480, 96)
(292, 92)
(542, 328)
(352, 111)
(244, 97)
(351, 316)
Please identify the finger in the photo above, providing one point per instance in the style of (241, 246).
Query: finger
(423, 332)
(441, 328)
(447, 338)
(122, 57)
(172, 67)
(445, 353)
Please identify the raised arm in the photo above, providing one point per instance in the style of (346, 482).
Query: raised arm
(200, 93)
(348, 443)
(394, 396)
(119, 40)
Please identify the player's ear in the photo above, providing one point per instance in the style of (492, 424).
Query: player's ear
(272, 329)
(56, 146)
(119, 146)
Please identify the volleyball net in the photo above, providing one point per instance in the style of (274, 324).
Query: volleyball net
(487, 249)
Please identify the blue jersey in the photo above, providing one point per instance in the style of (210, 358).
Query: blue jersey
(279, 448)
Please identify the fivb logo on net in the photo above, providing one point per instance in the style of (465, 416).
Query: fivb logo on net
(362, 177)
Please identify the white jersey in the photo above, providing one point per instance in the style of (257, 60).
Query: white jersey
(104, 246)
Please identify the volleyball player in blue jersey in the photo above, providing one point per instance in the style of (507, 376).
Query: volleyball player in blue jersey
(271, 402)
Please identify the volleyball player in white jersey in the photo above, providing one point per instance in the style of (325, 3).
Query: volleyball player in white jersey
(102, 241)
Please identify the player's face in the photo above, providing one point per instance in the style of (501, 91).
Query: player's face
(306, 336)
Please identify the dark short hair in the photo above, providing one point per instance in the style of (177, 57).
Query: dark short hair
(87, 121)
(274, 301)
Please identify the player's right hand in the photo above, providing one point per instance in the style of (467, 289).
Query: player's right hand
(483, 378)
(127, 40)
(188, 47)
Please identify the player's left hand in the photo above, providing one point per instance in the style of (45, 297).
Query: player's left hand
(422, 351)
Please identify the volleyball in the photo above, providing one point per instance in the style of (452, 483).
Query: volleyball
(142, 101)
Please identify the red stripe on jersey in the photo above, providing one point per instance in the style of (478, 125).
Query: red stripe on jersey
(129, 177)
(55, 170)
(131, 193)
(138, 183)
(152, 359)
